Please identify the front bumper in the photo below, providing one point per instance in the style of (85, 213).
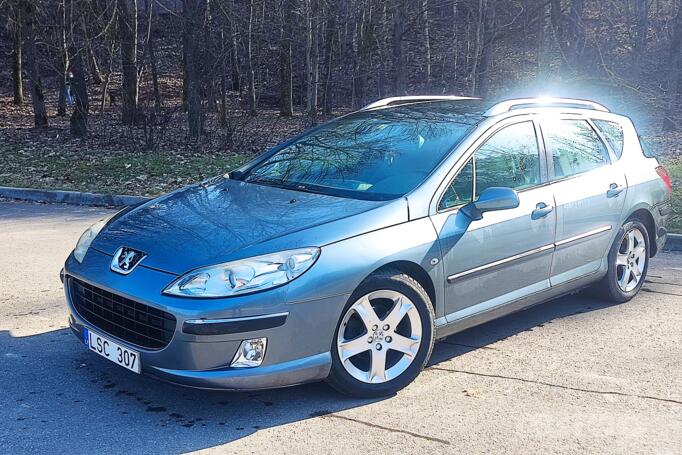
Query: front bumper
(297, 351)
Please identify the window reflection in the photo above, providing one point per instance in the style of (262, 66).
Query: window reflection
(510, 158)
(613, 133)
(377, 155)
(461, 190)
(574, 146)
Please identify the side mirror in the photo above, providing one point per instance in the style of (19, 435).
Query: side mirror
(491, 199)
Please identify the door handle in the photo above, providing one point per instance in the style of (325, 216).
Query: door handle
(541, 210)
(614, 190)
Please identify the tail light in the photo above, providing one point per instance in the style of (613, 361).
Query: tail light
(665, 176)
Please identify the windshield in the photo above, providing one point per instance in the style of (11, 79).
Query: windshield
(375, 155)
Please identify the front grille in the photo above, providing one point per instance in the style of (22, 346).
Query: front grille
(126, 319)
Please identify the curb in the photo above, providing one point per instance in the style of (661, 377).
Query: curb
(70, 197)
(674, 243)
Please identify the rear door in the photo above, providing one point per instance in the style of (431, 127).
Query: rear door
(589, 192)
(506, 255)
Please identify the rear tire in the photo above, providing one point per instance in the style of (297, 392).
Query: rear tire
(628, 263)
(384, 336)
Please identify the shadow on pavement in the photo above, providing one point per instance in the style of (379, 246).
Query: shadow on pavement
(57, 396)
(526, 320)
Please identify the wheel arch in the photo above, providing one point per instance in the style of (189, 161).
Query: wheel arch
(644, 215)
(415, 271)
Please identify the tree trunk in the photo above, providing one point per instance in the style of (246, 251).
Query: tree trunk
(478, 47)
(17, 78)
(234, 54)
(487, 47)
(427, 42)
(360, 69)
(286, 98)
(330, 29)
(544, 43)
(194, 12)
(250, 74)
(152, 54)
(64, 61)
(312, 58)
(127, 22)
(671, 121)
(33, 70)
(576, 34)
(94, 66)
(79, 117)
(640, 35)
(223, 81)
(107, 77)
(399, 80)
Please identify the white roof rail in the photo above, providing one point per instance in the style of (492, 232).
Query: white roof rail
(506, 106)
(410, 99)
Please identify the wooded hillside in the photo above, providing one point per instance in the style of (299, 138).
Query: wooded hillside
(206, 64)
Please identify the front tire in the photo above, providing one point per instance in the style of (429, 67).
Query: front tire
(628, 263)
(384, 337)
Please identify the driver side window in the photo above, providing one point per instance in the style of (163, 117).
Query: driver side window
(509, 158)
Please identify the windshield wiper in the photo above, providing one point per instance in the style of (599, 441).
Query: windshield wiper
(281, 184)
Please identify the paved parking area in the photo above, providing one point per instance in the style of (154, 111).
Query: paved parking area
(573, 375)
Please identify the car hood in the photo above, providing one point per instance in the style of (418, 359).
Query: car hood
(223, 220)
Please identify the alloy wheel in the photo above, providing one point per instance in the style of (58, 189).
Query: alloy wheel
(379, 336)
(630, 260)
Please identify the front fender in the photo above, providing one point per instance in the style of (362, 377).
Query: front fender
(343, 265)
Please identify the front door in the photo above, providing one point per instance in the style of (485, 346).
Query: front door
(506, 255)
(589, 193)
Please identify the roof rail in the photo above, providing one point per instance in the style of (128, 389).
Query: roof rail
(506, 106)
(394, 100)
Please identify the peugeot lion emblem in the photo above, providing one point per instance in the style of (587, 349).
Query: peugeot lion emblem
(126, 259)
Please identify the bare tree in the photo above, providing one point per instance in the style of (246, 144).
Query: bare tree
(674, 73)
(63, 66)
(127, 23)
(250, 74)
(15, 27)
(194, 12)
(399, 61)
(286, 107)
(427, 41)
(79, 117)
(151, 53)
(33, 66)
(640, 36)
(312, 61)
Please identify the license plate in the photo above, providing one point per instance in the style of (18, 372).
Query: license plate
(111, 350)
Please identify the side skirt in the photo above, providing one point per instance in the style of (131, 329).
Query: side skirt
(523, 303)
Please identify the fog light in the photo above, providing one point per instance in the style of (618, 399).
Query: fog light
(250, 353)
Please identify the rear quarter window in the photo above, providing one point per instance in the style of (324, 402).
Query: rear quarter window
(647, 149)
(613, 132)
(574, 146)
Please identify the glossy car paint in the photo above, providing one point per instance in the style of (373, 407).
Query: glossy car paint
(506, 261)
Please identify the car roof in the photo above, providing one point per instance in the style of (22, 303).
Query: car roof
(478, 109)
(469, 111)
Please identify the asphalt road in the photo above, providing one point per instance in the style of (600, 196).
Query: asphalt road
(570, 376)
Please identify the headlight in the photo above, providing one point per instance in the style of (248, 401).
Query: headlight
(87, 237)
(246, 275)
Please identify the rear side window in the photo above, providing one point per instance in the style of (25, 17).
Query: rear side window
(574, 146)
(613, 133)
(647, 149)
